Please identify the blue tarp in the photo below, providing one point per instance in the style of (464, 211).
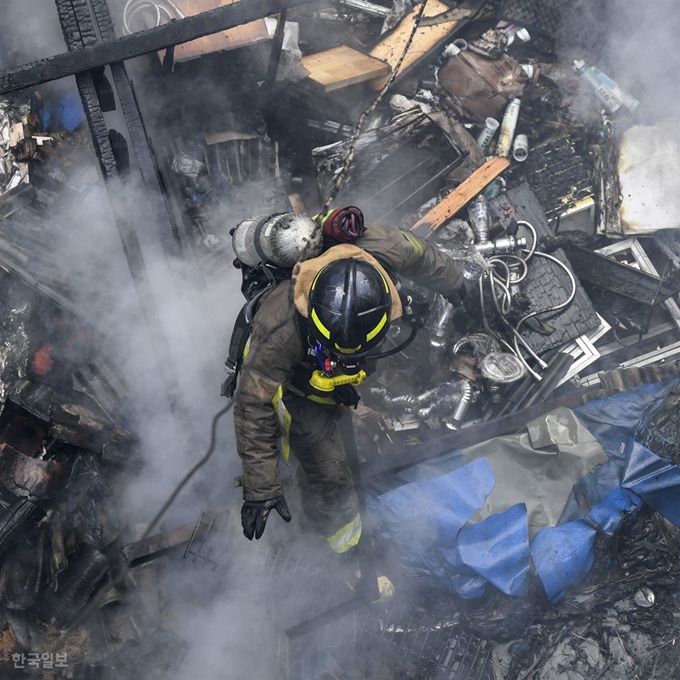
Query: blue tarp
(432, 523)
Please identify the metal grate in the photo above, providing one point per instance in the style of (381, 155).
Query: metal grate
(436, 648)
(559, 176)
(542, 15)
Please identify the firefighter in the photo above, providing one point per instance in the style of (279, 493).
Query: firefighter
(311, 341)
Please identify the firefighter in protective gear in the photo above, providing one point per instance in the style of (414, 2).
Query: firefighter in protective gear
(309, 343)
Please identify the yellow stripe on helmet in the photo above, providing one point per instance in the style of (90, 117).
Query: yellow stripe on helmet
(317, 322)
(384, 280)
(317, 276)
(377, 329)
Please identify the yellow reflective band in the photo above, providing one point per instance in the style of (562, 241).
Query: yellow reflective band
(324, 218)
(377, 329)
(417, 246)
(387, 288)
(347, 537)
(317, 322)
(347, 350)
(315, 278)
(326, 401)
(284, 418)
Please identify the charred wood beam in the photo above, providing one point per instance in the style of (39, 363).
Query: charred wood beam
(79, 34)
(143, 42)
(141, 146)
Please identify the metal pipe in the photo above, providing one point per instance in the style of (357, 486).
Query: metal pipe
(557, 369)
(368, 7)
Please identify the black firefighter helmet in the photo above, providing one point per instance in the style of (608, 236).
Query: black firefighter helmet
(349, 307)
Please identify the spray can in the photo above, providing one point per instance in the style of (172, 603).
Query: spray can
(508, 128)
(487, 134)
(608, 92)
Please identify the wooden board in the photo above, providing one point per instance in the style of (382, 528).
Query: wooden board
(342, 66)
(460, 196)
(217, 42)
(391, 47)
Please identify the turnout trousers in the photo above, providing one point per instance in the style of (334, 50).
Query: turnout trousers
(329, 499)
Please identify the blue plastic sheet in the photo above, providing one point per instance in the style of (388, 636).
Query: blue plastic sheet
(423, 519)
(62, 113)
(654, 479)
(614, 420)
(563, 556)
(498, 549)
(428, 519)
(608, 514)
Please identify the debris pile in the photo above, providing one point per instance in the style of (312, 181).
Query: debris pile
(535, 544)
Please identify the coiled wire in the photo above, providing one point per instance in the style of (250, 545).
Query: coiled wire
(163, 9)
(505, 271)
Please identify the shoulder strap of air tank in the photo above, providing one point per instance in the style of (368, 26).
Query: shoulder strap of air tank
(237, 345)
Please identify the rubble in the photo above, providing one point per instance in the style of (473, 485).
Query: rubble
(506, 137)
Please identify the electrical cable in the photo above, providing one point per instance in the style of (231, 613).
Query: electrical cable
(160, 7)
(500, 287)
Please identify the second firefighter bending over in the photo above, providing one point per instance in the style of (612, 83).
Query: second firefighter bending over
(310, 339)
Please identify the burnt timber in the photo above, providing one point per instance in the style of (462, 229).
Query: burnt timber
(138, 44)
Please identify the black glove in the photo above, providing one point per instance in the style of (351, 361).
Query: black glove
(254, 515)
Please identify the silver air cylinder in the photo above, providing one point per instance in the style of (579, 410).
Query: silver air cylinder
(282, 240)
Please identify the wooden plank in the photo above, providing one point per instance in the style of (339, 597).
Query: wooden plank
(391, 47)
(460, 196)
(342, 66)
(143, 42)
(217, 42)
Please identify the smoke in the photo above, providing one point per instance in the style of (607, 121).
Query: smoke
(225, 619)
(642, 48)
(196, 315)
(30, 31)
(635, 44)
